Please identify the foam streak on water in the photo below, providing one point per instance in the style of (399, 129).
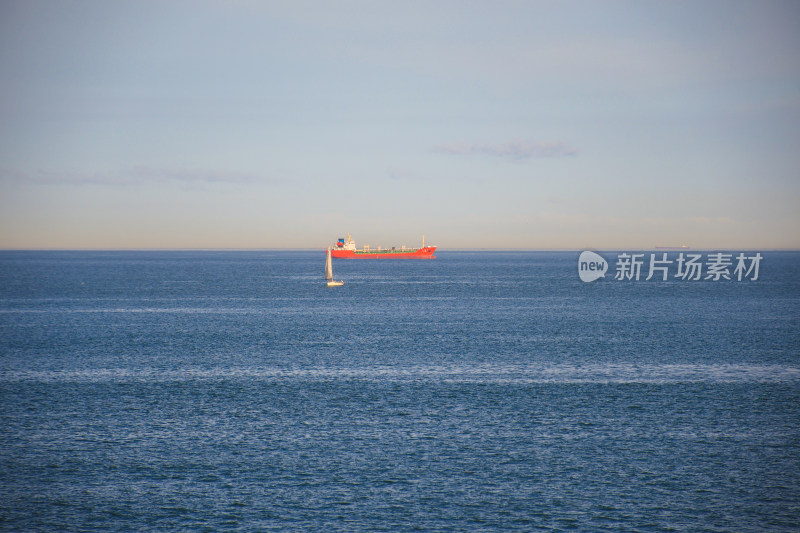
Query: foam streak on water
(486, 373)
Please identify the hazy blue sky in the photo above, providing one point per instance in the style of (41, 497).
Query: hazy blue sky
(204, 124)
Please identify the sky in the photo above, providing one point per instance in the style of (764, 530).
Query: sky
(499, 124)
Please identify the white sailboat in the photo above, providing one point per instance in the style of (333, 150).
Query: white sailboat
(329, 271)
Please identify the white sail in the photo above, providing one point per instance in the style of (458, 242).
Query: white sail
(328, 266)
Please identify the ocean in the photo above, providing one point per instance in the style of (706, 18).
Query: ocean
(480, 391)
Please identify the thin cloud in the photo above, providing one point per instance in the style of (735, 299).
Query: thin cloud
(138, 175)
(193, 175)
(46, 177)
(513, 150)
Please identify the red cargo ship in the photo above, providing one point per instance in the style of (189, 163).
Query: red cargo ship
(346, 249)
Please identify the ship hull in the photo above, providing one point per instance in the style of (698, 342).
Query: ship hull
(419, 253)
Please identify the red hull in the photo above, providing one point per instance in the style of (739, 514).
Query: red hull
(419, 253)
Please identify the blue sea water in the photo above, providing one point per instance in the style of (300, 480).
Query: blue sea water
(206, 391)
